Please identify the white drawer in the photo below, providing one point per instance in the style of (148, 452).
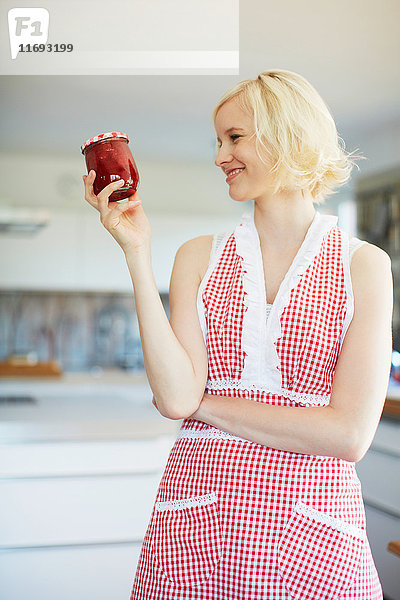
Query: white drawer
(56, 511)
(82, 458)
(100, 572)
(381, 530)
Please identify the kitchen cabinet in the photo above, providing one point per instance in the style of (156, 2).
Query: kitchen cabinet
(79, 470)
(75, 508)
(47, 260)
(378, 472)
(79, 522)
(62, 573)
(75, 252)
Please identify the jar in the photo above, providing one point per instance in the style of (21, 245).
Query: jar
(109, 155)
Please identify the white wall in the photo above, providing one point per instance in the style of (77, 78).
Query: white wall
(382, 151)
(182, 200)
(381, 147)
(55, 182)
(74, 251)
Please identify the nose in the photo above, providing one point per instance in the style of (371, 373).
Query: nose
(222, 157)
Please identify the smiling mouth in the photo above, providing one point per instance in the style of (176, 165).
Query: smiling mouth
(233, 174)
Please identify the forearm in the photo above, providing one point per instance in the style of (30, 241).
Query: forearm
(308, 430)
(169, 368)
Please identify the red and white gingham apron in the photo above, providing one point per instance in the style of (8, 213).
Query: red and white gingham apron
(236, 520)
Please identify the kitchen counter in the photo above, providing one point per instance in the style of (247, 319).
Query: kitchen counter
(81, 461)
(96, 375)
(79, 406)
(98, 405)
(392, 404)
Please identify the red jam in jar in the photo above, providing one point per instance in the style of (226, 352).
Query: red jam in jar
(109, 155)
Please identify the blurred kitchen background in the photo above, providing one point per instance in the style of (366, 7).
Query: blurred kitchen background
(82, 447)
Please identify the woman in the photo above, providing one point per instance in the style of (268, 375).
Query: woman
(277, 356)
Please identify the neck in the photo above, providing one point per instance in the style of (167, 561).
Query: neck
(282, 220)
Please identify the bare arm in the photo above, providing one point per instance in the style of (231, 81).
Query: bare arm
(345, 428)
(175, 356)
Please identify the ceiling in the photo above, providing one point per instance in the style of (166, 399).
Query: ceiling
(349, 50)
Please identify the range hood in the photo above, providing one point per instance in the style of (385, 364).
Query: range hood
(22, 221)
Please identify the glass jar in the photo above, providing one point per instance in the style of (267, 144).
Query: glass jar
(109, 155)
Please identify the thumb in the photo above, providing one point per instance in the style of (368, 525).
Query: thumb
(131, 202)
(135, 196)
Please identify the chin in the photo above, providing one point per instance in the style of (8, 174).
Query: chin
(238, 197)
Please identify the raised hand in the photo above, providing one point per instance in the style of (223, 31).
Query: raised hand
(125, 221)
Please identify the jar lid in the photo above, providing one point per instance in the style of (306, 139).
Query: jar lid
(102, 136)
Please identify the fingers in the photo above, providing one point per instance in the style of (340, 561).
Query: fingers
(121, 207)
(106, 193)
(111, 217)
(101, 202)
(89, 193)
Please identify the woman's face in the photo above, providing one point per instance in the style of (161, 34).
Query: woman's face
(247, 176)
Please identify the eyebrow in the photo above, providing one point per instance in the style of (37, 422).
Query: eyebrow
(231, 129)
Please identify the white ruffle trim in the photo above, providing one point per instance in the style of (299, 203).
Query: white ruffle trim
(321, 517)
(348, 286)
(186, 502)
(307, 399)
(209, 434)
(253, 333)
(240, 384)
(218, 245)
(258, 334)
(298, 397)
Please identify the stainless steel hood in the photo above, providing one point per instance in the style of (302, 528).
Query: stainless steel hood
(22, 221)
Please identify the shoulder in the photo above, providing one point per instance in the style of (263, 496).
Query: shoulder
(371, 258)
(195, 253)
(371, 274)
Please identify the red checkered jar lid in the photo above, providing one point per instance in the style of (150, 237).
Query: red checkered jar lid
(103, 136)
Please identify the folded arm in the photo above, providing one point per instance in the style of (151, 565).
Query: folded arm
(345, 428)
(175, 353)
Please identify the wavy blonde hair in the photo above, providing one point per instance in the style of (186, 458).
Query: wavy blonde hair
(295, 128)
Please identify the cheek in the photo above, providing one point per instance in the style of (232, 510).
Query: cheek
(261, 172)
(262, 161)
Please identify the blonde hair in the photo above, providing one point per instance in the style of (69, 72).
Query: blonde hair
(295, 128)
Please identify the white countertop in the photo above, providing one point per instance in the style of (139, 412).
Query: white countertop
(95, 376)
(79, 406)
(87, 406)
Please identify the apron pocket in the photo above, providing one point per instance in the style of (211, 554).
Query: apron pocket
(318, 555)
(187, 539)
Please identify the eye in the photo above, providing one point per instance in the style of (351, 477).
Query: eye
(233, 137)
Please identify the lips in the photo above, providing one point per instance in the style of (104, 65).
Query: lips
(232, 173)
